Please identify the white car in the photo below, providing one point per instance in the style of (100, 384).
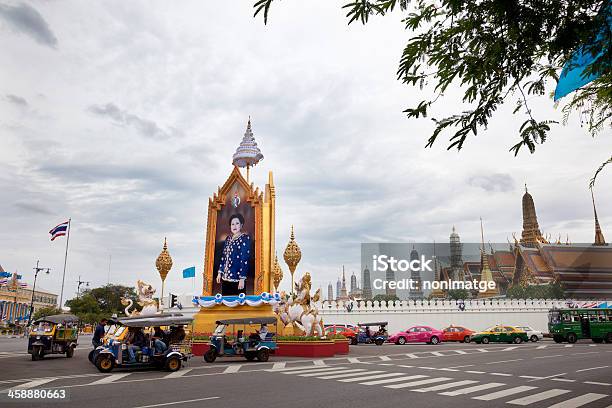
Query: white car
(534, 335)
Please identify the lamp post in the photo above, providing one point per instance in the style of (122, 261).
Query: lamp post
(79, 283)
(36, 270)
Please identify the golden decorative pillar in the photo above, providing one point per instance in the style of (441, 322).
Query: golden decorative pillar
(277, 273)
(163, 265)
(292, 256)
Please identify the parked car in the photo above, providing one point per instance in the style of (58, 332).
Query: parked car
(534, 335)
(457, 333)
(500, 334)
(418, 334)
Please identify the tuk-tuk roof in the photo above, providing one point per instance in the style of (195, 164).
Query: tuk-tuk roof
(59, 318)
(253, 320)
(165, 319)
(373, 324)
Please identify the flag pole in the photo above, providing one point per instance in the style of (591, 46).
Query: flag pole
(65, 259)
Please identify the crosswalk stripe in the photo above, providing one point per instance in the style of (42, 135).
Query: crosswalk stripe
(483, 350)
(353, 360)
(569, 345)
(504, 393)
(336, 371)
(509, 348)
(319, 362)
(179, 373)
(530, 399)
(460, 352)
(296, 369)
(31, 384)
(417, 383)
(371, 377)
(312, 370)
(390, 380)
(384, 358)
(109, 379)
(232, 369)
(353, 373)
(445, 386)
(437, 353)
(279, 365)
(412, 355)
(541, 347)
(579, 400)
(470, 390)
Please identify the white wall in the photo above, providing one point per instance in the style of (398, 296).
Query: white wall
(478, 314)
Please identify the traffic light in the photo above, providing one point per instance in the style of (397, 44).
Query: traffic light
(173, 301)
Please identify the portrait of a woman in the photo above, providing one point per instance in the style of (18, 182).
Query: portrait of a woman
(235, 257)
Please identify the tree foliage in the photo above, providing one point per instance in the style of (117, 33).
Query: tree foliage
(496, 50)
(93, 304)
(458, 294)
(45, 311)
(547, 291)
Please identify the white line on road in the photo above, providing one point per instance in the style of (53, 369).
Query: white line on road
(459, 351)
(279, 365)
(579, 400)
(569, 345)
(541, 347)
(592, 368)
(179, 373)
(336, 371)
(530, 399)
(406, 366)
(312, 370)
(437, 353)
(546, 378)
(371, 377)
(597, 383)
(297, 369)
(448, 369)
(467, 365)
(504, 393)
(446, 386)
(427, 368)
(353, 360)
(412, 355)
(556, 355)
(475, 372)
(502, 374)
(110, 379)
(232, 369)
(389, 380)
(319, 363)
(483, 350)
(504, 361)
(510, 348)
(384, 358)
(353, 373)
(562, 380)
(176, 402)
(31, 384)
(417, 383)
(470, 390)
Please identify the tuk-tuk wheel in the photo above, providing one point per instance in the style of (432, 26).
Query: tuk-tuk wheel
(353, 340)
(263, 355)
(70, 352)
(91, 356)
(104, 363)
(250, 356)
(210, 356)
(173, 364)
(37, 353)
(379, 342)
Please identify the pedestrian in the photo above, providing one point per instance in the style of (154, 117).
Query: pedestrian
(99, 333)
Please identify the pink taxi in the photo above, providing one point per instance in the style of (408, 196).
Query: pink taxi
(418, 334)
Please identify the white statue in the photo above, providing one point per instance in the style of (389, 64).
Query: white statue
(300, 309)
(145, 298)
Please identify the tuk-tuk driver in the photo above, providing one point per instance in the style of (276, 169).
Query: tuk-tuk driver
(263, 331)
(99, 333)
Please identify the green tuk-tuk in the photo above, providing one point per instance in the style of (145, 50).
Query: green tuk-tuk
(56, 334)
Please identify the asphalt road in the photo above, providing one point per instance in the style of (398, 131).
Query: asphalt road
(541, 374)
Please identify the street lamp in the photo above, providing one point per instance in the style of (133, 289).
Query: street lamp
(36, 270)
(79, 283)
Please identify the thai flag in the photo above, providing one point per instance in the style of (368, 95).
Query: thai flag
(60, 230)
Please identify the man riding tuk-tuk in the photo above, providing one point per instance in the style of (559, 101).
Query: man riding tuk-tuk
(56, 334)
(257, 344)
(137, 343)
(367, 336)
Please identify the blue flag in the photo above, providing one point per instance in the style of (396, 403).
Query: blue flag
(189, 272)
(5, 274)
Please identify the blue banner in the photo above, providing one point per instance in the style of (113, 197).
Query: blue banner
(5, 274)
(189, 272)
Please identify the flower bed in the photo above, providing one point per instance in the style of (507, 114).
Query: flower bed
(308, 348)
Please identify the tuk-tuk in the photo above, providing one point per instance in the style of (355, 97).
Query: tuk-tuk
(117, 350)
(366, 336)
(258, 344)
(112, 331)
(56, 334)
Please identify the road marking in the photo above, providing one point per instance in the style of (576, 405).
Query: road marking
(318, 370)
(562, 380)
(459, 351)
(406, 366)
(569, 345)
(510, 348)
(353, 373)
(389, 380)
(176, 402)
(592, 368)
(428, 368)
(483, 350)
(586, 352)
(412, 355)
(502, 374)
(384, 358)
(596, 383)
(541, 347)
(445, 386)
(385, 364)
(505, 361)
(475, 372)
(353, 360)
(437, 353)
(530, 399)
(336, 371)
(470, 390)
(556, 355)
(109, 379)
(371, 377)
(504, 393)
(448, 369)
(278, 366)
(468, 365)
(232, 369)
(417, 383)
(179, 373)
(288, 369)
(546, 378)
(58, 378)
(31, 384)
(579, 400)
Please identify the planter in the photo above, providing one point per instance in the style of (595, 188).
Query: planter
(341, 346)
(199, 349)
(323, 348)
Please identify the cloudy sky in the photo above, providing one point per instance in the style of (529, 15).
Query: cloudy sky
(125, 115)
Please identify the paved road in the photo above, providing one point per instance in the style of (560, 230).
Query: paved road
(541, 374)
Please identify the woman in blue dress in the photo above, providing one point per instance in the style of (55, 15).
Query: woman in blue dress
(235, 257)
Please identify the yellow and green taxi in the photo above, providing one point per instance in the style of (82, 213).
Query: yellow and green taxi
(500, 334)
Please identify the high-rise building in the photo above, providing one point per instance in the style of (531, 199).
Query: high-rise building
(354, 286)
(338, 288)
(367, 284)
(390, 277)
(330, 292)
(415, 275)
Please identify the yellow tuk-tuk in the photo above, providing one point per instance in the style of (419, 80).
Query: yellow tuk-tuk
(56, 334)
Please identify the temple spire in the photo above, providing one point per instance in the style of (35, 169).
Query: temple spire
(485, 273)
(599, 237)
(531, 234)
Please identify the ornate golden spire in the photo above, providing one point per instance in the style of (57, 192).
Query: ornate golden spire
(292, 256)
(531, 234)
(163, 265)
(277, 273)
(599, 238)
